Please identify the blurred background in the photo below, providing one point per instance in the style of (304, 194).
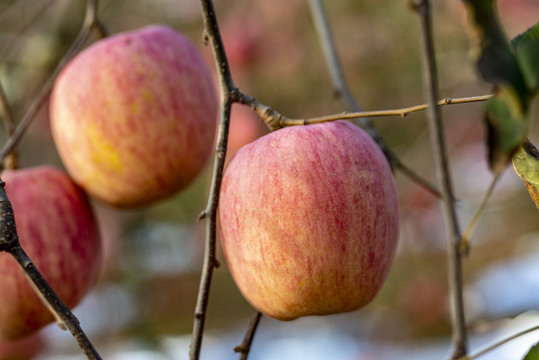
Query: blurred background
(142, 307)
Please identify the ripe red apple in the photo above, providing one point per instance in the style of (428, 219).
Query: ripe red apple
(57, 229)
(23, 349)
(309, 220)
(133, 116)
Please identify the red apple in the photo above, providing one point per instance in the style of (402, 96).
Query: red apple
(24, 349)
(245, 127)
(133, 116)
(57, 229)
(309, 220)
(240, 32)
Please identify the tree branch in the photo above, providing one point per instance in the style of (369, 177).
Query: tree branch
(9, 242)
(11, 159)
(460, 340)
(468, 231)
(227, 94)
(245, 345)
(89, 21)
(342, 90)
(380, 113)
(498, 344)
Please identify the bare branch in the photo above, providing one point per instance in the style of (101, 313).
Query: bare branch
(227, 95)
(23, 29)
(9, 242)
(245, 345)
(87, 26)
(498, 344)
(460, 339)
(342, 90)
(11, 160)
(381, 113)
(468, 232)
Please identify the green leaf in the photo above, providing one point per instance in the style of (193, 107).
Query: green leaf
(533, 354)
(507, 124)
(526, 46)
(496, 63)
(528, 35)
(526, 164)
(511, 68)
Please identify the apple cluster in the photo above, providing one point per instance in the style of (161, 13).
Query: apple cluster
(133, 118)
(308, 215)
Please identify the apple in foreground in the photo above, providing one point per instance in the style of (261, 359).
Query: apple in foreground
(58, 231)
(23, 349)
(133, 116)
(308, 219)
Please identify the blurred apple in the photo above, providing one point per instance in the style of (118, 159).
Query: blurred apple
(245, 127)
(309, 220)
(133, 116)
(240, 32)
(57, 229)
(24, 349)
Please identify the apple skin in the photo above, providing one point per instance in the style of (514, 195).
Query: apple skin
(24, 349)
(58, 231)
(133, 116)
(308, 219)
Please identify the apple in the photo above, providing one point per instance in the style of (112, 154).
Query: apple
(133, 116)
(23, 349)
(240, 34)
(245, 127)
(58, 231)
(308, 219)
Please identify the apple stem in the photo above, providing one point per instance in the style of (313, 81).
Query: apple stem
(459, 331)
(9, 242)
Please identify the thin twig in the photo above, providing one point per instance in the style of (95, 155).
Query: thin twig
(498, 344)
(227, 91)
(87, 26)
(11, 160)
(9, 242)
(472, 225)
(22, 30)
(245, 345)
(342, 90)
(459, 332)
(380, 113)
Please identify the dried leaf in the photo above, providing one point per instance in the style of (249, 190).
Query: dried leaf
(526, 164)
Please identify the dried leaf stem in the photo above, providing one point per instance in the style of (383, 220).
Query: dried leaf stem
(245, 345)
(9, 242)
(227, 91)
(90, 22)
(342, 90)
(459, 331)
